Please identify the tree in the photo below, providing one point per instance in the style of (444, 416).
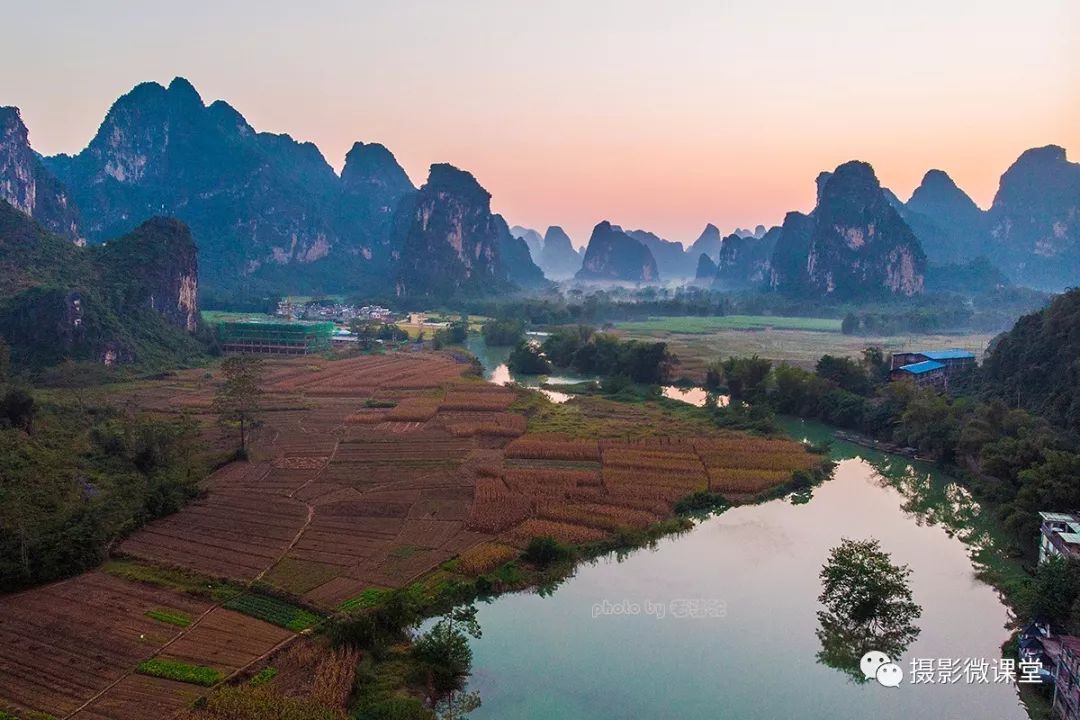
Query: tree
(845, 372)
(746, 378)
(867, 606)
(527, 360)
(443, 654)
(850, 324)
(1055, 592)
(17, 409)
(238, 398)
(503, 332)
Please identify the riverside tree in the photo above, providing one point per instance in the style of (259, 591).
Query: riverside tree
(867, 606)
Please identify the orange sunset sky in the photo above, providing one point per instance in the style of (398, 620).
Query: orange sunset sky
(661, 116)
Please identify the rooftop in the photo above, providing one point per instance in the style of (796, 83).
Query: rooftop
(949, 354)
(920, 368)
(1057, 517)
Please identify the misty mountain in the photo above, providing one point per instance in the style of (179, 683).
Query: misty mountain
(559, 260)
(1034, 222)
(616, 256)
(948, 223)
(706, 271)
(671, 260)
(533, 239)
(708, 242)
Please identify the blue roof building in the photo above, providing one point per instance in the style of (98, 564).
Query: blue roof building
(930, 367)
(949, 355)
(921, 368)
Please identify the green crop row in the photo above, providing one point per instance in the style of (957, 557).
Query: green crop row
(182, 672)
(274, 611)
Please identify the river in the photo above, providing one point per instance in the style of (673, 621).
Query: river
(605, 644)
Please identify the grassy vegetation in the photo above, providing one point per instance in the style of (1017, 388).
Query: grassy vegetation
(213, 317)
(169, 617)
(26, 715)
(602, 417)
(274, 611)
(263, 676)
(182, 672)
(185, 581)
(691, 325)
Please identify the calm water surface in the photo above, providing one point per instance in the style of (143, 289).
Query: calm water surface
(562, 657)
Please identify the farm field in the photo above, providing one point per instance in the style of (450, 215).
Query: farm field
(365, 473)
(702, 325)
(695, 349)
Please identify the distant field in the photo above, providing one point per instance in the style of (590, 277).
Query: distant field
(704, 325)
(696, 350)
(212, 317)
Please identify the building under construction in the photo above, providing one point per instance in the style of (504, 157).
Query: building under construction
(274, 337)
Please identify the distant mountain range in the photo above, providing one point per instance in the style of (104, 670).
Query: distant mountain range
(268, 213)
(862, 240)
(552, 251)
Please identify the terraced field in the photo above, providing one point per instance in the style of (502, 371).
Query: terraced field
(369, 472)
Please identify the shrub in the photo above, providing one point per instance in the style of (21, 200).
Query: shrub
(701, 501)
(263, 676)
(543, 551)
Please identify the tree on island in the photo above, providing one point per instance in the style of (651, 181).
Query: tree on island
(526, 359)
(237, 400)
(867, 606)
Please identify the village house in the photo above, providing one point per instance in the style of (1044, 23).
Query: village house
(1059, 535)
(930, 367)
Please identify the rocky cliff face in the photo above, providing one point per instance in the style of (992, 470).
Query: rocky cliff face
(788, 265)
(615, 256)
(559, 260)
(373, 184)
(1035, 219)
(134, 299)
(860, 246)
(949, 225)
(745, 260)
(264, 208)
(27, 186)
(452, 244)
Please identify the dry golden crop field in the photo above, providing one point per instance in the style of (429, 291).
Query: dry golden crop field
(366, 472)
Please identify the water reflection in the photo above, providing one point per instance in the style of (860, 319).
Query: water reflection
(699, 397)
(929, 498)
(867, 606)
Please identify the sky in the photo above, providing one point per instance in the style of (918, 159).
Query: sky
(662, 116)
